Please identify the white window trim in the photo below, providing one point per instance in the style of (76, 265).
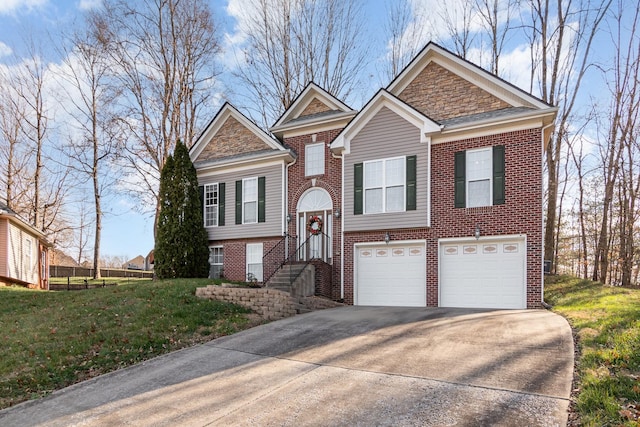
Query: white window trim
(245, 201)
(384, 186)
(214, 206)
(306, 163)
(467, 180)
(211, 259)
(261, 245)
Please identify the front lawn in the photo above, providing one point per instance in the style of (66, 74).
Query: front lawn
(53, 339)
(607, 323)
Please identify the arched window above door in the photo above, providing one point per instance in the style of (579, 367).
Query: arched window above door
(315, 200)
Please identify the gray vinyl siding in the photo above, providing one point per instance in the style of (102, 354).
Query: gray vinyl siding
(386, 135)
(273, 204)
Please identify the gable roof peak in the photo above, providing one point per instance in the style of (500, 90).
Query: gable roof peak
(496, 86)
(312, 101)
(226, 112)
(385, 99)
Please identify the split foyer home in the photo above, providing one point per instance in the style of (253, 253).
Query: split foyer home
(430, 195)
(24, 252)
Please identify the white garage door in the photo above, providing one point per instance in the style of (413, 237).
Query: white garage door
(483, 274)
(391, 275)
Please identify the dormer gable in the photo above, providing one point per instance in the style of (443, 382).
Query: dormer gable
(231, 134)
(443, 86)
(313, 110)
(384, 99)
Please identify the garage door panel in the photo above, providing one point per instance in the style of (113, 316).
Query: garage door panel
(391, 275)
(482, 275)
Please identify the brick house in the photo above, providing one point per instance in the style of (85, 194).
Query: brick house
(431, 195)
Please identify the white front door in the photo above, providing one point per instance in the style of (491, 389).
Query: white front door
(315, 215)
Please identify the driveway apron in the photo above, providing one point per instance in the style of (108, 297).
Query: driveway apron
(346, 366)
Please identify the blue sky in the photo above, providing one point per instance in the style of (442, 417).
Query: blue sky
(127, 233)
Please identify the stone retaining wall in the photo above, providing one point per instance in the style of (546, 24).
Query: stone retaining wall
(271, 304)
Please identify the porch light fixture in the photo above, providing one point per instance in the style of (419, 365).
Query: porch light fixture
(337, 213)
(288, 218)
(476, 233)
(387, 238)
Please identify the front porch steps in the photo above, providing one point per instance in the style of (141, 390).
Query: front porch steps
(298, 279)
(282, 279)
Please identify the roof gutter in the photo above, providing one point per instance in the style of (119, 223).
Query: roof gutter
(286, 155)
(313, 121)
(551, 112)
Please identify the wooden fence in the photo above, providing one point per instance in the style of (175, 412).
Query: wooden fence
(60, 271)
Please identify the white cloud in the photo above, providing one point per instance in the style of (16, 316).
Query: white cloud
(8, 7)
(5, 50)
(89, 4)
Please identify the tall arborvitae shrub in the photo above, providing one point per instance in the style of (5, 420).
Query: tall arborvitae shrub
(164, 258)
(181, 241)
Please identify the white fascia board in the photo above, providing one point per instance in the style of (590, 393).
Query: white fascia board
(235, 165)
(305, 126)
(513, 123)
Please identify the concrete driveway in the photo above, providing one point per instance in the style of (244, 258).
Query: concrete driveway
(346, 366)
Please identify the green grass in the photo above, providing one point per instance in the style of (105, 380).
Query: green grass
(53, 339)
(607, 323)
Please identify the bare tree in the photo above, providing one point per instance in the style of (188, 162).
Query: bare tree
(496, 17)
(560, 36)
(82, 236)
(13, 151)
(163, 55)
(36, 179)
(405, 33)
(457, 19)
(90, 93)
(292, 42)
(30, 80)
(619, 151)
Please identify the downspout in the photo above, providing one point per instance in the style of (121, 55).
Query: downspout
(342, 231)
(286, 202)
(542, 213)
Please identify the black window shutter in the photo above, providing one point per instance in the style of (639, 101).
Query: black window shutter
(261, 199)
(221, 191)
(201, 192)
(357, 188)
(460, 171)
(411, 183)
(498, 175)
(239, 202)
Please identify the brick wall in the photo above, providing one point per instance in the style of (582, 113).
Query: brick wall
(235, 255)
(271, 304)
(331, 181)
(324, 280)
(440, 94)
(521, 214)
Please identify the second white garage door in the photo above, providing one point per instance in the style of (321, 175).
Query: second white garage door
(390, 275)
(483, 273)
